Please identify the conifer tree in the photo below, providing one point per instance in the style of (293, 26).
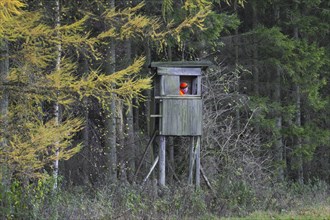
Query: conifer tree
(285, 40)
(58, 85)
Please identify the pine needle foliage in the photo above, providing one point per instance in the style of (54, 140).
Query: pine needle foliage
(27, 154)
(10, 8)
(128, 23)
(188, 19)
(124, 83)
(34, 82)
(167, 7)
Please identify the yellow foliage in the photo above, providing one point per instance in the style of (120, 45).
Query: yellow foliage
(26, 26)
(197, 11)
(62, 77)
(9, 8)
(112, 13)
(72, 28)
(197, 4)
(27, 154)
(129, 24)
(124, 83)
(112, 33)
(36, 55)
(133, 27)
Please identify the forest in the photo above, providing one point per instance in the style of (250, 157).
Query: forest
(75, 100)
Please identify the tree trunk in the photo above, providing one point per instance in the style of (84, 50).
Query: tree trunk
(299, 161)
(255, 70)
(110, 120)
(110, 115)
(4, 70)
(279, 148)
(255, 65)
(147, 113)
(123, 154)
(278, 124)
(130, 144)
(86, 136)
(110, 141)
(56, 105)
(237, 118)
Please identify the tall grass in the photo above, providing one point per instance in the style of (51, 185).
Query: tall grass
(281, 201)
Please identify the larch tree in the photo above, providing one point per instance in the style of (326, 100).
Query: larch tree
(110, 115)
(31, 144)
(5, 15)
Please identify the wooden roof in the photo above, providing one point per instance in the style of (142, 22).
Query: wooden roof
(182, 64)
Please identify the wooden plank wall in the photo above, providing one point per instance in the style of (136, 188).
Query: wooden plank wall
(181, 117)
(170, 85)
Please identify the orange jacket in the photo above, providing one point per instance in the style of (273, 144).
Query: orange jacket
(182, 92)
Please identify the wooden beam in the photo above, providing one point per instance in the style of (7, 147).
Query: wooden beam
(182, 64)
(198, 161)
(206, 180)
(162, 151)
(151, 169)
(180, 71)
(191, 160)
(188, 96)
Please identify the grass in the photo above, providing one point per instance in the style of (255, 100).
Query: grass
(321, 212)
(283, 202)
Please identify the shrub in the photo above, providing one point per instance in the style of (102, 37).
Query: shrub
(21, 200)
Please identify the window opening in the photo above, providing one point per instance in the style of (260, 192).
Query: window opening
(192, 84)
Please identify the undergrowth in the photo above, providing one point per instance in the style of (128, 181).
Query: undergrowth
(123, 201)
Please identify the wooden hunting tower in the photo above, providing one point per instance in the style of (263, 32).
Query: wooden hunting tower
(172, 114)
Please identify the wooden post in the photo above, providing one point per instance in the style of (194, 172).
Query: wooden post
(151, 169)
(191, 161)
(198, 161)
(171, 160)
(162, 145)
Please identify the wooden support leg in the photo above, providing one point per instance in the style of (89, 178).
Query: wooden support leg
(162, 145)
(191, 161)
(171, 160)
(198, 161)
